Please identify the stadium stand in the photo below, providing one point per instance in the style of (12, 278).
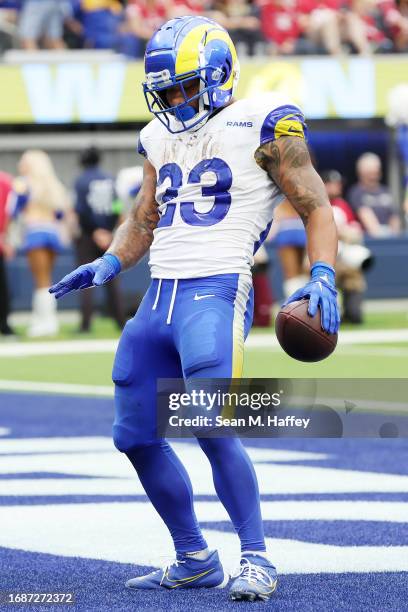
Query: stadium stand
(278, 26)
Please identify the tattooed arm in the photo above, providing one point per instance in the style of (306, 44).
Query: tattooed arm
(288, 164)
(134, 237)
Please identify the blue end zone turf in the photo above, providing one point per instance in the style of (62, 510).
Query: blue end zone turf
(99, 584)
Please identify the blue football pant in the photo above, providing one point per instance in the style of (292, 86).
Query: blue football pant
(191, 328)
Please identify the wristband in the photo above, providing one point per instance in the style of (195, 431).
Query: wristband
(113, 261)
(321, 269)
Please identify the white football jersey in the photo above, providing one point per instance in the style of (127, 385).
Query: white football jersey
(216, 204)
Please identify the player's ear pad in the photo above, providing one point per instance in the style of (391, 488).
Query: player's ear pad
(199, 341)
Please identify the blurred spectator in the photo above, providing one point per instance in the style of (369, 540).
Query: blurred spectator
(331, 23)
(5, 252)
(144, 17)
(8, 19)
(289, 26)
(263, 299)
(394, 20)
(178, 8)
(323, 26)
(289, 236)
(98, 211)
(280, 25)
(241, 19)
(41, 201)
(41, 24)
(320, 23)
(128, 184)
(353, 257)
(101, 24)
(371, 18)
(372, 201)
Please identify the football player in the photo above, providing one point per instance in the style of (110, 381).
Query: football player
(214, 170)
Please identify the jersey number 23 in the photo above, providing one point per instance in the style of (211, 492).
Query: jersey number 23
(219, 191)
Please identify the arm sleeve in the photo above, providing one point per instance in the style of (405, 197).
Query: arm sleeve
(285, 120)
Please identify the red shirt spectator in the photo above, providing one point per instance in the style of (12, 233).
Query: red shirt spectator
(280, 18)
(151, 13)
(190, 7)
(394, 21)
(390, 14)
(344, 211)
(5, 188)
(370, 15)
(279, 21)
(373, 32)
(307, 6)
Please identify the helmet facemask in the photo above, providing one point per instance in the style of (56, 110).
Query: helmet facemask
(182, 116)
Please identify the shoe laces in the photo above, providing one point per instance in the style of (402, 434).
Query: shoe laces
(253, 573)
(171, 563)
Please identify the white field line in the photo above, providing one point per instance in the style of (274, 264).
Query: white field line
(73, 316)
(60, 388)
(65, 347)
(346, 338)
(255, 341)
(375, 336)
(378, 351)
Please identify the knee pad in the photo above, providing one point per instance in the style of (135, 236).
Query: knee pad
(126, 429)
(123, 439)
(135, 424)
(125, 442)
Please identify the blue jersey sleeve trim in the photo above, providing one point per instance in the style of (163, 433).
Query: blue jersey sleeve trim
(141, 149)
(283, 121)
(262, 237)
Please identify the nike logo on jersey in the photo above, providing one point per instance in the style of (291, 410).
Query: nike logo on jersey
(202, 297)
(240, 124)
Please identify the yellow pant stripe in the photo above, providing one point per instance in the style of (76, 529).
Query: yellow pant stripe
(240, 304)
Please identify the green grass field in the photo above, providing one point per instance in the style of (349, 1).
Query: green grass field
(386, 360)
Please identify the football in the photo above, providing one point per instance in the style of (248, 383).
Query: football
(300, 335)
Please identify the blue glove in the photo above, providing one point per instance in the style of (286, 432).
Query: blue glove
(321, 291)
(93, 274)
